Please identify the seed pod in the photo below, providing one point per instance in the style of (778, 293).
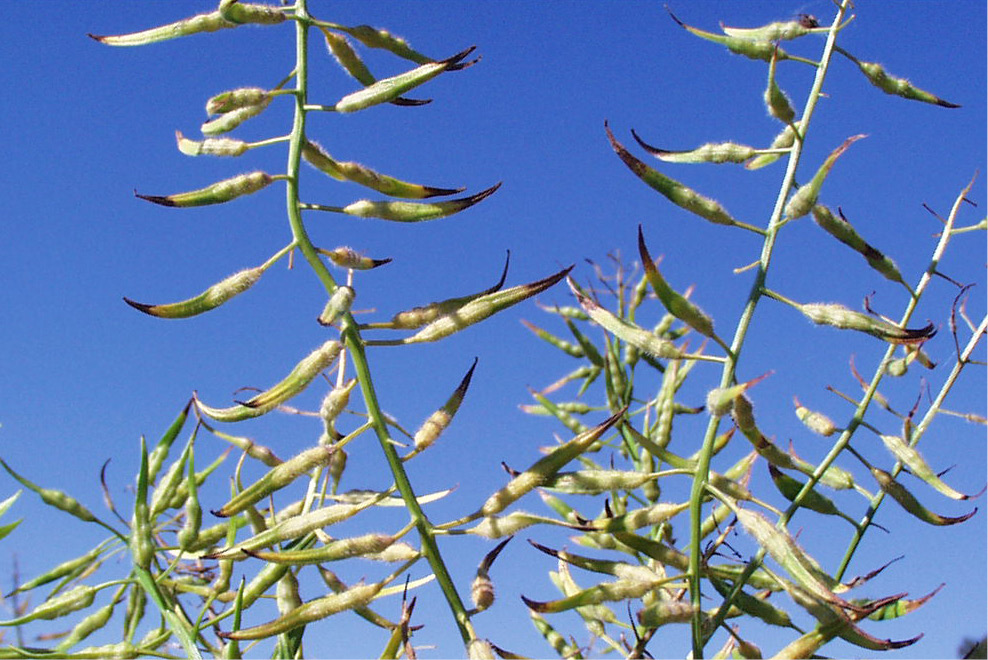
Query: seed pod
(544, 468)
(168, 484)
(378, 38)
(276, 479)
(595, 482)
(878, 77)
(77, 598)
(316, 156)
(56, 498)
(230, 120)
(776, 101)
(347, 57)
(666, 611)
(568, 420)
(218, 193)
(476, 310)
(210, 22)
(189, 534)
(842, 230)
(336, 550)
(415, 211)
(388, 89)
(588, 347)
(296, 381)
(919, 467)
(712, 152)
(243, 12)
(559, 644)
(210, 146)
(206, 301)
(481, 649)
(722, 400)
(334, 403)
(678, 306)
(804, 199)
(752, 49)
(235, 99)
(141, 541)
(754, 606)
(69, 569)
(673, 190)
(783, 140)
(814, 421)
(814, 501)
(901, 607)
(495, 527)
(482, 588)
(345, 257)
(89, 625)
(439, 420)
(841, 317)
(338, 304)
(569, 348)
(778, 31)
(619, 569)
(629, 522)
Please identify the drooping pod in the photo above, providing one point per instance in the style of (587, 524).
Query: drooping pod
(712, 152)
(296, 381)
(316, 156)
(842, 230)
(415, 211)
(208, 300)
(804, 199)
(218, 193)
(838, 316)
(210, 146)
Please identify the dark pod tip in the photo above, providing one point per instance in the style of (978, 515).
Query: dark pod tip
(155, 199)
(655, 151)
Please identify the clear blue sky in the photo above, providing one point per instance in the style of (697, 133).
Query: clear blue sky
(82, 375)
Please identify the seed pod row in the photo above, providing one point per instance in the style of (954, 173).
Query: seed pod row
(712, 152)
(208, 300)
(804, 199)
(218, 193)
(388, 89)
(841, 317)
(673, 190)
(842, 230)
(296, 381)
(415, 211)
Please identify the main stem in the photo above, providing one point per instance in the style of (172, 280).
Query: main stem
(353, 340)
(698, 491)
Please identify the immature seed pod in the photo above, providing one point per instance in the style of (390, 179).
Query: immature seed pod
(244, 12)
(338, 304)
(56, 498)
(755, 606)
(569, 348)
(345, 257)
(189, 534)
(842, 230)
(210, 22)
(334, 402)
(87, 626)
(750, 48)
(814, 500)
(595, 482)
(73, 600)
(482, 588)
(778, 31)
(336, 550)
(415, 211)
(722, 400)
(228, 121)
(804, 199)
(776, 101)
(210, 146)
(878, 77)
(678, 305)
(814, 421)
(629, 522)
(206, 301)
(909, 502)
(219, 192)
(673, 190)
(242, 97)
(783, 140)
(712, 152)
(277, 478)
(841, 317)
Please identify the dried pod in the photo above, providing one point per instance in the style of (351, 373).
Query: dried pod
(210, 146)
(415, 211)
(219, 192)
(208, 300)
(804, 199)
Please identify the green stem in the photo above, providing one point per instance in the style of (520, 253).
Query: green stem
(728, 375)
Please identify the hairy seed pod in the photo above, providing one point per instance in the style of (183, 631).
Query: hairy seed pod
(665, 611)
(673, 190)
(415, 211)
(629, 522)
(678, 305)
(842, 230)
(813, 500)
(228, 121)
(909, 502)
(841, 317)
(878, 77)
(804, 199)
(210, 146)
(778, 31)
(189, 534)
(431, 428)
(776, 101)
(95, 621)
(235, 99)
(210, 22)
(918, 466)
(277, 478)
(206, 301)
(595, 482)
(219, 192)
(336, 550)
(345, 257)
(783, 140)
(73, 600)
(338, 304)
(814, 421)
(712, 152)
(347, 57)
(377, 38)
(244, 12)
(624, 330)
(56, 498)
(334, 402)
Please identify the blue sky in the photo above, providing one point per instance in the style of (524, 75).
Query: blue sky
(84, 375)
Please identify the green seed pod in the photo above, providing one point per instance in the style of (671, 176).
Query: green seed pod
(589, 349)
(878, 77)
(666, 611)
(276, 479)
(347, 58)
(338, 304)
(544, 468)
(754, 606)
(919, 467)
(557, 641)
(168, 484)
(722, 400)
(601, 593)
(480, 649)
(218, 193)
(569, 348)
(431, 428)
(712, 152)
(901, 607)
(316, 156)
(814, 501)
(188, 536)
(495, 527)
(678, 306)
(838, 316)
(243, 12)
(141, 540)
(624, 330)
(595, 482)
(673, 190)
(776, 101)
(814, 421)
(56, 498)
(388, 89)
(415, 211)
(67, 569)
(345, 257)
(206, 301)
(783, 140)
(804, 199)
(377, 38)
(296, 381)
(73, 600)
(210, 22)
(778, 31)
(210, 146)
(568, 420)
(334, 402)
(842, 230)
(88, 625)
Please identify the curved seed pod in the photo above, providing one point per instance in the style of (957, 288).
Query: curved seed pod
(345, 257)
(388, 89)
(477, 309)
(678, 306)
(73, 600)
(377, 38)
(804, 199)
(712, 152)
(244, 12)
(568, 420)
(141, 540)
(415, 211)
(814, 501)
(167, 486)
(316, 156)
(277, 478)
(595, 595)
(296, 381)
(778, 31)
(210, 146)
(338, 304)
(210, 22)
(544, 468)
(72, 567)
(439, 420)
(482, 588)
(219, 192)
(919, 467)
(901, 607)
(842, 230)
(673, 190)
(666, 611)
(588, 347)
(228, 121)
(814, 421)
(841, 317)
(776, 101)
(783, 140)
(752, 49)
(337, 550)
(208, 300)
(723, 400)
(235, 99)
(878, 77)
(619, 569)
